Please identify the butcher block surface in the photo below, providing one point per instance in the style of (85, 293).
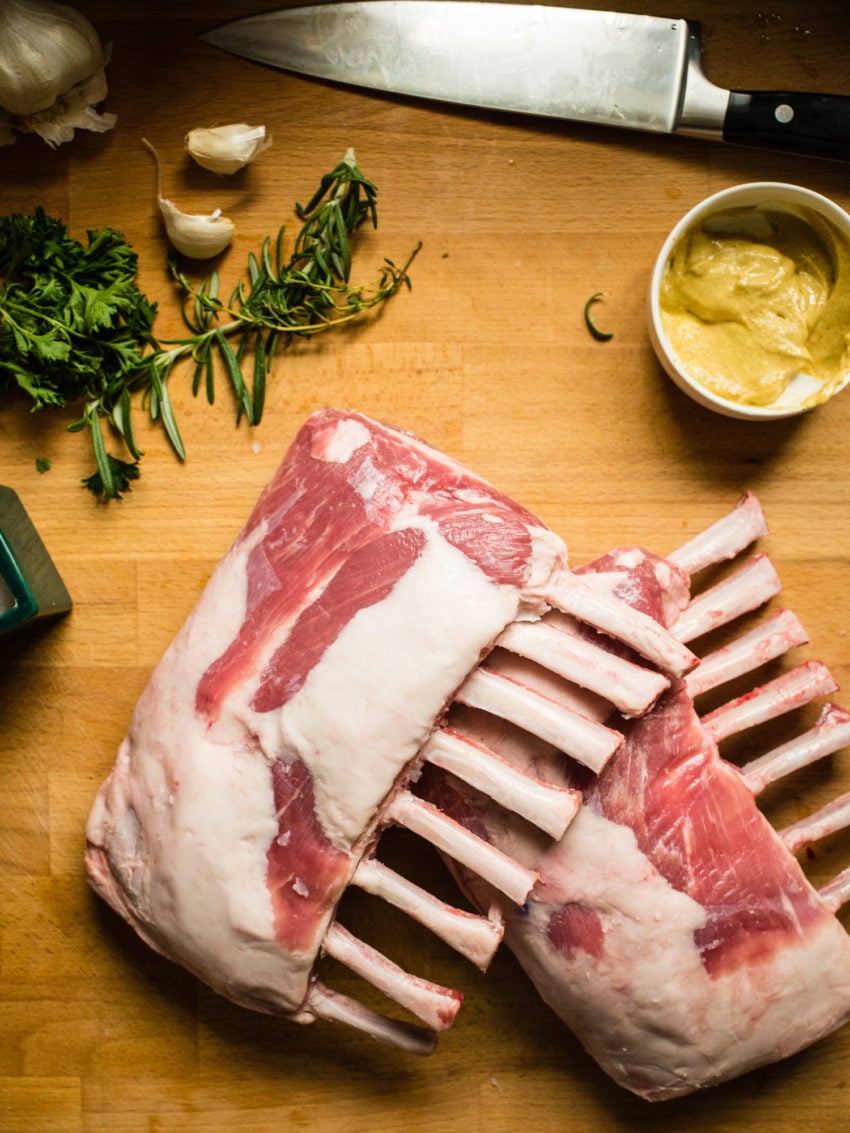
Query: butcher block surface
(487, 357)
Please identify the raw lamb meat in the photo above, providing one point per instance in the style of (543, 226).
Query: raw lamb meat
(279, 733)
(671, 927)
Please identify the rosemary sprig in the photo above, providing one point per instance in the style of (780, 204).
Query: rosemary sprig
(302, 295)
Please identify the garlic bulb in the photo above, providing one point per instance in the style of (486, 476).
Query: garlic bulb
(52, 72)
(194, 235)
(226, 149)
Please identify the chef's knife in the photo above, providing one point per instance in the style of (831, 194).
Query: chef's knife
(642, 72)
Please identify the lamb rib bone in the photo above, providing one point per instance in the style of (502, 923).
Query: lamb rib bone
(669, 861)
(584, 739)
(549, 808)
(630, 687)
(334, 1007)
(276, 738)
(724, 539)
(803, 684)
(830, 733)
(764, 642)
(743, 592)
(829, 819)
(435, 1006)
(475, 937)
(508, 876)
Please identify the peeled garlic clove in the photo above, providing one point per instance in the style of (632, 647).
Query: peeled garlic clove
(49, 55)
(194, 235)
(227, 149)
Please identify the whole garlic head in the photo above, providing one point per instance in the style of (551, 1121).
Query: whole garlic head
(227, 149)
(196, 235)
(52, 71)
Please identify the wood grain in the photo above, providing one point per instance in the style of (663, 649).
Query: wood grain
(488, 358)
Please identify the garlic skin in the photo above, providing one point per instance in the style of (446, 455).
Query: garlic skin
(52, 72)
(196, 235)
(227, 149)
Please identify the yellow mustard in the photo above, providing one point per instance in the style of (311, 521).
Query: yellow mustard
(752, 297)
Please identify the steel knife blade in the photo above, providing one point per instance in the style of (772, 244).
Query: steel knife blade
(610, 68)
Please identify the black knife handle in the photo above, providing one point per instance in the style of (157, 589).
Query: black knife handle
(815, 124)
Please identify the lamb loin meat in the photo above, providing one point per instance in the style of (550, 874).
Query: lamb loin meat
(279, 734)
(671, 927)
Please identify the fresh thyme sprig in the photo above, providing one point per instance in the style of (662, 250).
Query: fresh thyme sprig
(74, 327)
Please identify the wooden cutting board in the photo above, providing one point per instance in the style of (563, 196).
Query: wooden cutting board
(489, 359)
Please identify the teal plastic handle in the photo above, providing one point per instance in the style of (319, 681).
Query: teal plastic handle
(25, 606)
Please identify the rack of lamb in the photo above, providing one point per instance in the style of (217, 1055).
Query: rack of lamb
(281, 731)
(671, 927)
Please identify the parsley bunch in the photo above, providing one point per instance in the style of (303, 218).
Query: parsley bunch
(74, 327)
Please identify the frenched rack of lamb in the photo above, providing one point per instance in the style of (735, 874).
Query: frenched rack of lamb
(671, 927)
(391, 641)
(284, 726)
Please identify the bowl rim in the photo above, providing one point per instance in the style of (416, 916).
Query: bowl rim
(754, 192)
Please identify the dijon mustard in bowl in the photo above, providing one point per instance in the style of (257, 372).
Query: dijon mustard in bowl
(749, 301)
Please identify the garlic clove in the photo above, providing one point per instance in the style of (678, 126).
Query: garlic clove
(49, 55)
(227, 149)
(195, 235)
(198, 236)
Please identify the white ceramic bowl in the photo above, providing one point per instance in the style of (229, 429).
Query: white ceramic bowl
(758, 193)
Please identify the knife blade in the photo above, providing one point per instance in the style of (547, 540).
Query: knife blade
(609, 68)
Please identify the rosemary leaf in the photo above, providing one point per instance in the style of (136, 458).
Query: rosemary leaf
(101, 456)
(258, 393)
(234, 372)
(169, 421)
(125, 426)
(210, 378)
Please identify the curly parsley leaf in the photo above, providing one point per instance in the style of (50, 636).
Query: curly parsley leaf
(74, 327)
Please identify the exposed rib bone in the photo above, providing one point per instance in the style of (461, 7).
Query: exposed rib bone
(566, 694)
(586, 740)
(434, 1005)
(742, 592)
(828, 735)
(474, 936)
(724, 539)
(614, 617)
(629, 687)
(836, 892)
(792, 690)
(508, 876)
(550, 808)
(322, 1003)
(829, 819)
(781, 632)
